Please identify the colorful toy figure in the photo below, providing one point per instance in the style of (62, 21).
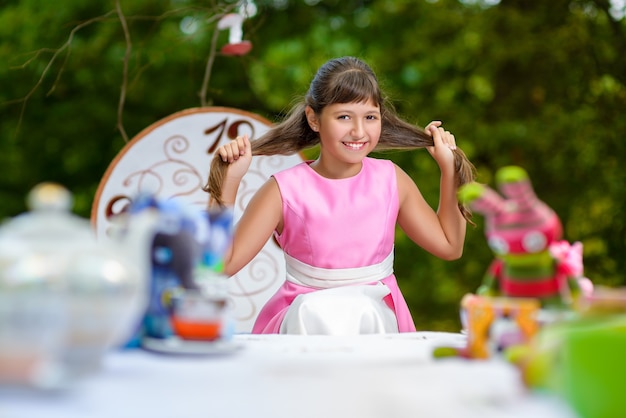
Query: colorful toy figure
(186, 299)
(525, 236)
(174, 252)
(493, 325)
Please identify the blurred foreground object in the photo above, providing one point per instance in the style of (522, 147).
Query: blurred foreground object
(583, 359)
(64, 298)
(494, 324)
(536, 278)
(569, 338)
(188, 302)
(531, 260)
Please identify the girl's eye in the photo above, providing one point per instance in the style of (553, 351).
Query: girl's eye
(343, 117)
(372, 117)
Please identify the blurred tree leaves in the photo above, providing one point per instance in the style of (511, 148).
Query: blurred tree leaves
(538, 84)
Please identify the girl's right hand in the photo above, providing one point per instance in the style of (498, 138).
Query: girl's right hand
(444, 144)
(238, 153)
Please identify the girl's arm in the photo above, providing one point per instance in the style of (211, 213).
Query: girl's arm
(441, 233)
(261, 216)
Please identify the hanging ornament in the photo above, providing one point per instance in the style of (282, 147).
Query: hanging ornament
(236, 45)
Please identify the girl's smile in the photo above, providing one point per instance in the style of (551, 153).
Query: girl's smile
(356, 146)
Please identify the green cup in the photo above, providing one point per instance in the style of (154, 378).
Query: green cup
(590, 369)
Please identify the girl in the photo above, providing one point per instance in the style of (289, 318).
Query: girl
(335, 217)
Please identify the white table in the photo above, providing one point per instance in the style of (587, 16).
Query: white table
(276, 376)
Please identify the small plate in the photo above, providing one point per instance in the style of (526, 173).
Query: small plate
(175, 345)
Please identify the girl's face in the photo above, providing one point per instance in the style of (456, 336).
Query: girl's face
(349, 131)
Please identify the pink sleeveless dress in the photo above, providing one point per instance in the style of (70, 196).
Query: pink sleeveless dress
(337, 224)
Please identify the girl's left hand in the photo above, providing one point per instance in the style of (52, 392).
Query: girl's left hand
(444, 143)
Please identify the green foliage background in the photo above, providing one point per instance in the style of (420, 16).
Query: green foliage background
(540, 84)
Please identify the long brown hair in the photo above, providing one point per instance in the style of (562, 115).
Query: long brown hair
(340, 80)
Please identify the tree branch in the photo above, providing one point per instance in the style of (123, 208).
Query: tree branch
(211, 59)
(66, 46)
(207, 70)
(120, 106)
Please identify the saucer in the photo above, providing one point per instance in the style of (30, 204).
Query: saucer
(175, 345)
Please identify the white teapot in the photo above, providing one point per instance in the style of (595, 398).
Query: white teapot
(65, 298)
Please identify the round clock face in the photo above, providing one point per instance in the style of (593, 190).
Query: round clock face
(171, 160)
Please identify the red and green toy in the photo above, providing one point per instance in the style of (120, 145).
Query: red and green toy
(524, 233)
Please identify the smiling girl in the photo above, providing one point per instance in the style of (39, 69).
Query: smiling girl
(335, 217)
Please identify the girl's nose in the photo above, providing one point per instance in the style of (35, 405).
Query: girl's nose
(358, 131)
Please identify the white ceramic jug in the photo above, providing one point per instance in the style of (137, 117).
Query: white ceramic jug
(65, 298)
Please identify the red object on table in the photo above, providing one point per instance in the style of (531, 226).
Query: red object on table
(197, 330)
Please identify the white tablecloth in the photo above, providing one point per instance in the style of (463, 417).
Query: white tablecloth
(276, 376)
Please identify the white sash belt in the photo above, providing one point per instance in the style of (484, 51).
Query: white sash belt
(306, 275)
